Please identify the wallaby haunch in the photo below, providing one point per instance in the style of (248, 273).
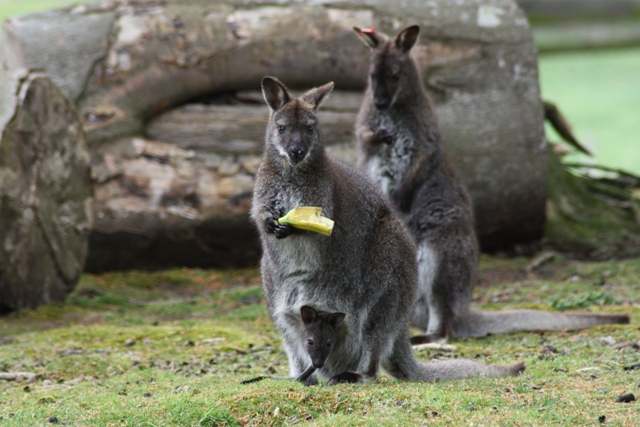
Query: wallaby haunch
(400, 148)
(366, 268)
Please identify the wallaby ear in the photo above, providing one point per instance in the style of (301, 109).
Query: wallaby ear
(369, 37)
(309, 314)
(315, 96)
(335, 319)
(407, 38)
(274, 92)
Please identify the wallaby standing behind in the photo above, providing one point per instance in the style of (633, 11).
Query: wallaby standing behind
(400, 148)
(366, 268)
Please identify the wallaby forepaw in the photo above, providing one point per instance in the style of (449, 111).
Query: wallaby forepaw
(345, 377)
(383, 136)
(271, 224)
(281, 231)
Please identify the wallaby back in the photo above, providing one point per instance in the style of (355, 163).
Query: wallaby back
(400, 147)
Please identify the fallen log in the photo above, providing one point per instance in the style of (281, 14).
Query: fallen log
(45, 192)
(478, 61)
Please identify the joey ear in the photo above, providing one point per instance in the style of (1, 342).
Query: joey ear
(317, 95)
(309, 314)
(274, 92)
(407, 38)
(369, 37)
(335, 319)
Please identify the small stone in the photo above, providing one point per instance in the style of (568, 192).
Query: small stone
(53, 420)
(470, 408)
(147, 394)
(130, 342)
(626, 398)
(602, 419)
(47, 383)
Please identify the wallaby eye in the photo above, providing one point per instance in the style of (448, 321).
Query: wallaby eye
(372, 76)
(281, 128)
(310, 129)
(329, 344)
(396, 76)
(310, 342)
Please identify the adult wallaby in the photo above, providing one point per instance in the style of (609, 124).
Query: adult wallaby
(366, 268)
(401, 149)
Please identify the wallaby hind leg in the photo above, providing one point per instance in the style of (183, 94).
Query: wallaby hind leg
(370, 373)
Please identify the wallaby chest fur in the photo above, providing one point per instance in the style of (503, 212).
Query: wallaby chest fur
(366, 268)
(400, 147)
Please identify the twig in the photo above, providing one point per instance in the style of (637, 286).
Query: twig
(15, 376)
(560, 124)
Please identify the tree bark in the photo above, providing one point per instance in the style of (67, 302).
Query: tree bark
(145, 58)
(45, 192)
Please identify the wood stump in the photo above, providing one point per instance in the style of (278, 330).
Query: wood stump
(45, 192)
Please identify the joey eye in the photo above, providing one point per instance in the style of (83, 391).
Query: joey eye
(281, 128)
(310, 129)
(329, 344)
(310, 342)
(396, 76)
(372, 76)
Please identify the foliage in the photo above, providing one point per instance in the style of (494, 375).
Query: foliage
(121, 352)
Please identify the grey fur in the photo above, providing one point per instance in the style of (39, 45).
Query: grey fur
(366, 268)
(400, 147)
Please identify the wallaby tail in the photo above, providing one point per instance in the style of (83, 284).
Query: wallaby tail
(477, 323)
(402, 364)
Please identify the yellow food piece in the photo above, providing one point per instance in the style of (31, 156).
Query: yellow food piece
(308, 218)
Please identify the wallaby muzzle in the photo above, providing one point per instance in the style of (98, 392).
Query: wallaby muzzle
(382, 103)
(296, 154)
(381, 98)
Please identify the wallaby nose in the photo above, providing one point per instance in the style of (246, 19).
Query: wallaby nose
(381, 103)
(297, 153)
(317, 363)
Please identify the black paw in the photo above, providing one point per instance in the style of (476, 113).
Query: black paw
(345, 377)
(271, 224)
(383, 136)
(281, 231)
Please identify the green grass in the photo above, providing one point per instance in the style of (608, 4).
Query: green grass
(599, 93)
(10, 8)
(123, 352)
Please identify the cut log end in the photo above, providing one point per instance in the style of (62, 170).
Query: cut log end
(45, 194)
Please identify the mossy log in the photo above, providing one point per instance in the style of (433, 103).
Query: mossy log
(594, 218)
(45, 192)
